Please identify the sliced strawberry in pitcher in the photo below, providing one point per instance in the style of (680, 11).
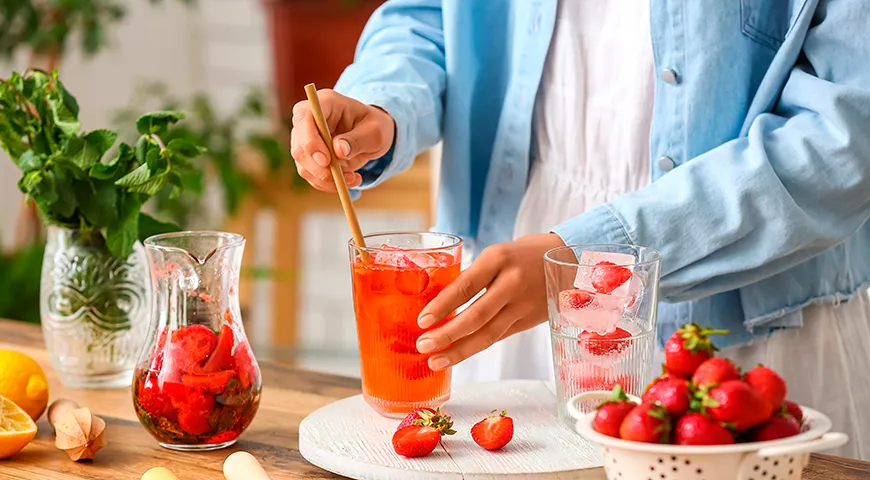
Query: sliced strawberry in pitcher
(246, 364)
(158, 351)
(189, 346)
(211, 383)
(193, 416)
(222, 356)
(151, 398)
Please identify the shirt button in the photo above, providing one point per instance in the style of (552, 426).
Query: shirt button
(666, 164)
(669, 76)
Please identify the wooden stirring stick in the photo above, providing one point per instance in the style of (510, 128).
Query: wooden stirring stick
(335, 168)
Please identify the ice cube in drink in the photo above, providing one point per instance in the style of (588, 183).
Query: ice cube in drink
(592, 311)
(586, 271)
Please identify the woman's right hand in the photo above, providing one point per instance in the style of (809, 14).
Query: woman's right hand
(360, 133)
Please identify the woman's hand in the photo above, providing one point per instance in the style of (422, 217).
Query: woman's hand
(515, 300)
(360, 133)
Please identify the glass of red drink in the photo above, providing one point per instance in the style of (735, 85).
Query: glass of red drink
(197, 385)
(394, 277)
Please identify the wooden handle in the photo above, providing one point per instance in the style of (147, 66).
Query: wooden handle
(59, 408)
(159, 473)
(243, 466)
(335, 168)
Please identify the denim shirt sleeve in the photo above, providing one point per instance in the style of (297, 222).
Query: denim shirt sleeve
(400, 67)
(796, 184)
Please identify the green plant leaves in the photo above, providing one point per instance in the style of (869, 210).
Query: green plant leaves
(30, 161)
(85, 152)
(151, 186)
(63, 117)
(149, 226)
(157, 122)
(121, 235)
(138, 176)
(97, 202)
(63, 169)
(185, 147)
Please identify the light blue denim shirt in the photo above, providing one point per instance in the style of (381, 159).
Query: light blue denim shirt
(760, 142)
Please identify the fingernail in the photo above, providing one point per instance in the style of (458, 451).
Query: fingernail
(437, 363)
(321, 159)
(426, 321)
(426, 345)
(344, 146)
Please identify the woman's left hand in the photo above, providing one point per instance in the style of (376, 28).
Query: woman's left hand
(515, 300)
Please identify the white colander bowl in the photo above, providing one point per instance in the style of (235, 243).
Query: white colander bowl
(782, 459)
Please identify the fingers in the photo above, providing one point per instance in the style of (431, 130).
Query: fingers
(480, 340)
(480, 274)
(478, 314)
(365, 142)
(361, 134)
(308, 150)
(352, 179)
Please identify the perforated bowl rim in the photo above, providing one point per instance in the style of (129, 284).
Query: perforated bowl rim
(815, 424)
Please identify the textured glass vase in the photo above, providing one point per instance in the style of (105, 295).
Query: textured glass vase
(94, 309)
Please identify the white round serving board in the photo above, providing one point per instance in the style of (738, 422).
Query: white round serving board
(347, 437)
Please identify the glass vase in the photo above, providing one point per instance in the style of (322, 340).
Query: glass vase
(197, 384)
(94, 309)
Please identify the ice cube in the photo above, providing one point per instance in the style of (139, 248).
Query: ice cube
(586, 271)
(423, 260)
(592, 311)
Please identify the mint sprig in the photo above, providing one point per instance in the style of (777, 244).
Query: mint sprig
(79, 179)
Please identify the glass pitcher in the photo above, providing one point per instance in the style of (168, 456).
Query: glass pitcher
(197, 384)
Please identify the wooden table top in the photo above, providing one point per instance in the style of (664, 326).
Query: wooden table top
(288, 396)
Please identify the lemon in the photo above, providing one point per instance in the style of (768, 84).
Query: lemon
(16, 428)
(23, 382)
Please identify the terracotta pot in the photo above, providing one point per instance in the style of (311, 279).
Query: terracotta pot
(313, 41)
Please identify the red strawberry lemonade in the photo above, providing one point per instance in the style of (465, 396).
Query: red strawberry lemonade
(199, 390)
(390, 288)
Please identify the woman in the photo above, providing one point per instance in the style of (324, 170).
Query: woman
(730, 136)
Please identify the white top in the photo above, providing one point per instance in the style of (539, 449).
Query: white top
(593, 112)
(592, 121)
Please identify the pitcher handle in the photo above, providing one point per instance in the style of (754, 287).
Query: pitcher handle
(594, 395)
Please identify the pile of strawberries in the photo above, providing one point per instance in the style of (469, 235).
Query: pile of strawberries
(421, 431)
(702, 400)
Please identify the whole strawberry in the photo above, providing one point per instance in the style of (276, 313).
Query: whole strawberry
(646, 423)
(673, 393)
(415, 440)
(794, 410)
(768, 384)
(610, 414)
(688, 348)
(698, 429)
(494, 431)
(607, 344)
(430, 418)
(715, 371)
(734, 402)
(607, 276)
(782, 425)
(664, 376)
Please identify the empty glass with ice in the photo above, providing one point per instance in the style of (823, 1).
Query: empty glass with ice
(602, 302)
(394, 277)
